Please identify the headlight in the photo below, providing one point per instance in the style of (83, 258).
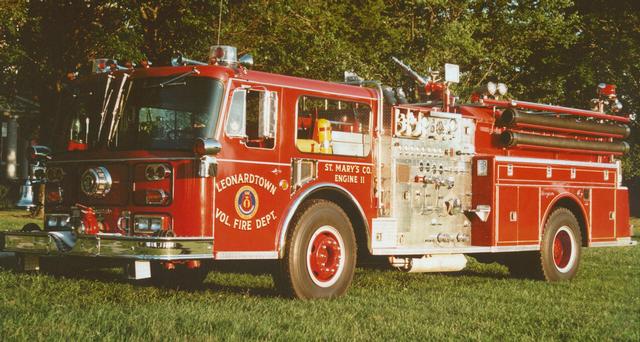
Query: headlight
(57, 220)
(52, 221)
(155, 224)
(155, 172)
(150, 223)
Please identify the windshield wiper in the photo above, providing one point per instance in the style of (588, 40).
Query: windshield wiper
(172, 82)
(105, 103)
(116, 108)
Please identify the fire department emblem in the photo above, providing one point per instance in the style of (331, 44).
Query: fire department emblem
(246, 202)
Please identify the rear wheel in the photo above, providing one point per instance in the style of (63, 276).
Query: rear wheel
(559, 253)
(560, 247)
(320, 254)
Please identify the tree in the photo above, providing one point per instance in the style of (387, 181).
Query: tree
(545, 50)
(608, 50)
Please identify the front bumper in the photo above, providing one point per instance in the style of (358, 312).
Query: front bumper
(110, 246)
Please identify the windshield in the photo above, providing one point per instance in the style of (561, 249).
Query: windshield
(168, 117)
(79, 112)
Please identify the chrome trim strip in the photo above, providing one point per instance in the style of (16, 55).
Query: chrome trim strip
(252, 162)
(553, 162)
(53, 162)
(621, 242)
(113, 246)
(303, 196)
(317, 91)
(553, 185)
(344, 162)
(452, 250)
(249, 255)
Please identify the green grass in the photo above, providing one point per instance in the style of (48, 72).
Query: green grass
(15, 219)
(480, 303)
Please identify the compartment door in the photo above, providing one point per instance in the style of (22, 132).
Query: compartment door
(528, 212)
(507, 214)
(602, 214)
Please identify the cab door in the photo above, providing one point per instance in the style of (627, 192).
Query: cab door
(252, 186)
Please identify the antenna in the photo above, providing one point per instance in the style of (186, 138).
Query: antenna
(219, 22)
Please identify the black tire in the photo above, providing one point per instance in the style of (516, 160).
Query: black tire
(561, 244)
(31, 227)
(320, 253)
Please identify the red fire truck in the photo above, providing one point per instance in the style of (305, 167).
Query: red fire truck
(171, 169)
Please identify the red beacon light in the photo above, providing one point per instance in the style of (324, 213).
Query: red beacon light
(607, 99)
(102, 65)
(608, 90)
(145, 63)
(223, 55)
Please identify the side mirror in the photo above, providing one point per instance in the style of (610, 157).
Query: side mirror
(267, 114)
(38, 153)
(206, 146)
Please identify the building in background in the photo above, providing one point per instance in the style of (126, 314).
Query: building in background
(16, 116)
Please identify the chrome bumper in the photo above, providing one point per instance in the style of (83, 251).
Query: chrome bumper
(111, 246)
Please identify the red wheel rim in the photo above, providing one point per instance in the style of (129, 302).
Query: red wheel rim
(325, 256)
(562, 249)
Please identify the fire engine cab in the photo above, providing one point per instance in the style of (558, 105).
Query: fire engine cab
(171, 169)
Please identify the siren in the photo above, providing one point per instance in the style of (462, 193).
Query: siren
(246, 60)
(180, 60)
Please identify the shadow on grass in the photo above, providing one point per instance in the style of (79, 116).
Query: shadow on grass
(113, 275)
(480, 274)
(262, 292)
(8, 261)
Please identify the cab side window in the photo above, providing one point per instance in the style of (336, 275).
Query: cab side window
(331, 126)
(253, 117)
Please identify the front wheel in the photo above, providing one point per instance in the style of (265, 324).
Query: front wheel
(320, 254)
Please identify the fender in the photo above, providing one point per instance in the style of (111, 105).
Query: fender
(553, 203)
(284, 224)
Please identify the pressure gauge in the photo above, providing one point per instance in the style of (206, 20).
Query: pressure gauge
(440, 128)
(453, 125)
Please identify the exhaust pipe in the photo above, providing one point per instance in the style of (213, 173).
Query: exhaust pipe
(513, 117)
(431, 263)
(513, 139)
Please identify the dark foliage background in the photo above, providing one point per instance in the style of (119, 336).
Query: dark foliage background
(553, 51)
